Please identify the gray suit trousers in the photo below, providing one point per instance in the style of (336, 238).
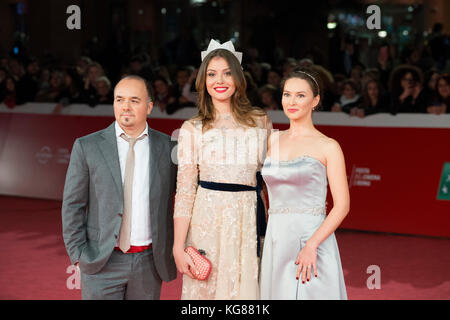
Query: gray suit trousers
(125, 276)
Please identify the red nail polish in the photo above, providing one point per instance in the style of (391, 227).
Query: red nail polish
(296, 278)
(303, 281)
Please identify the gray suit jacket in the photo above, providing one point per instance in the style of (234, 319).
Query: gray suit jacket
(93, 201)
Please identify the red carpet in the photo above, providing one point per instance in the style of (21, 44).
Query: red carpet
(33, 260)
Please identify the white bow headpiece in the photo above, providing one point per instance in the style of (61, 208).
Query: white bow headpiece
(213, 45)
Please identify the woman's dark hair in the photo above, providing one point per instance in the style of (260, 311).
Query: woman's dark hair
(14, 82)
(446, 78)
(395, 86)
(428, 75)
(274, 71)
(351, 83)
(163, 79)
(365, 95)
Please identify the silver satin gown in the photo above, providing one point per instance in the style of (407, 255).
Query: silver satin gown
(297, 194)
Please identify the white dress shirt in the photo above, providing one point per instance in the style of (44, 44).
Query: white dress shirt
(140, 222)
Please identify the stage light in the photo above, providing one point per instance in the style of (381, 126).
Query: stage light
(331, 25)
(163, 10)
(195, 3)
(382, 34)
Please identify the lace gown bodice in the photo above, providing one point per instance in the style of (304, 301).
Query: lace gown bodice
(227, 152)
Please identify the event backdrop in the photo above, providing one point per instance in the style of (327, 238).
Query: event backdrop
(398, 167)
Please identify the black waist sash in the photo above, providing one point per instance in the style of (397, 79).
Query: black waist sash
(260, 212)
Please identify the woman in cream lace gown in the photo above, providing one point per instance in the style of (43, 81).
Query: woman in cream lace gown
(225, 143)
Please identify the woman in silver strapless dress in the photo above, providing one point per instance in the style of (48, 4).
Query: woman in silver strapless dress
(298, 244)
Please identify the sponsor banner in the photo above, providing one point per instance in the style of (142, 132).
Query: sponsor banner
(398, 176)
(36, 152)
(444, 186)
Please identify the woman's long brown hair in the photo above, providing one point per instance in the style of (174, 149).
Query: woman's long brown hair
(241, 108)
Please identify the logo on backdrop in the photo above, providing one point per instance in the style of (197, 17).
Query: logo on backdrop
(62, 156)
(45, 155)
(362, 177)
(444, 186)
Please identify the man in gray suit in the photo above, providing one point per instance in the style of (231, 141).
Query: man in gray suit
(118, 202)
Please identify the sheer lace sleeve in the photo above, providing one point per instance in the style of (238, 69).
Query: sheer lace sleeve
(187, 170)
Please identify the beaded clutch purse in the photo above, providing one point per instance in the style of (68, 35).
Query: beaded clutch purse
(202, 264)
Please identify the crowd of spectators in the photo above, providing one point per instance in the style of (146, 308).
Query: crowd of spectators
(414, 81)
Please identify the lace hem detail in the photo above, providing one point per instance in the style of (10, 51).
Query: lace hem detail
(284, 210)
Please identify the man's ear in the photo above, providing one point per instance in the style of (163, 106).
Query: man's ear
(149, 107)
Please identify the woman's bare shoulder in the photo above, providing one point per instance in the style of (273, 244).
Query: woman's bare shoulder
(330, 147)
